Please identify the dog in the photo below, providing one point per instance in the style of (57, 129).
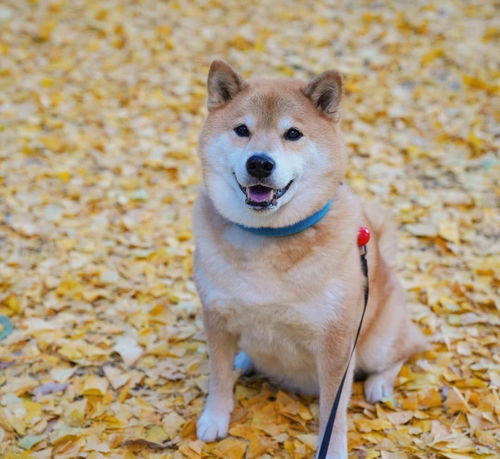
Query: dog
(288, 306)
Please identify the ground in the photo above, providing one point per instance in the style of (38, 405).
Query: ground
(101, 102)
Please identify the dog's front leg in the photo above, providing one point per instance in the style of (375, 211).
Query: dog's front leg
(331, 364)
(214, 421)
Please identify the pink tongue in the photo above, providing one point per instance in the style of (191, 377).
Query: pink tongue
(259, 193)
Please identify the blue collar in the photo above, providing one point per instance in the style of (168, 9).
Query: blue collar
(290, 229)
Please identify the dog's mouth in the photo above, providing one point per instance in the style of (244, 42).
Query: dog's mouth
(261, 196)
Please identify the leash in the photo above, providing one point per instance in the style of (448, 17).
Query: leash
(363, 238)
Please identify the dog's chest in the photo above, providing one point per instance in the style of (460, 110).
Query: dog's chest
(265, 305)
(279, 321)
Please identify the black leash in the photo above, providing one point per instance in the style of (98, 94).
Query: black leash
(362, 241)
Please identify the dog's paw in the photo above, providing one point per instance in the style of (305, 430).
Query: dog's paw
(335, 455)
(377, 388)
(337, 448)
(243, 362)
(212, 426)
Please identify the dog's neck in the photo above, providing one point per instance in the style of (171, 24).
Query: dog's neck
(290, 229)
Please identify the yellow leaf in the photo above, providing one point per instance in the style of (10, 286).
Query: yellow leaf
(128, 349)
(241, 43)
(33, 409)
(95, 386)
(156, 434)
(400, 417)
(116, 377)
(309, 440)
(75, 419)
(192, 450)
(45, 30)
(62, 374)
(432, 55)
(230, 448)
(13, 303)
(471, 383)
(491, 33)
(52, 143)
(368, 425)
(479, 83)
(448, 230)
(184, 236)
(485, 437)
(172, 423)
(64, 434)
(431, 399)
(68, 351)
(455, 401)
(70, 286)
(64, 176)
(389, 455)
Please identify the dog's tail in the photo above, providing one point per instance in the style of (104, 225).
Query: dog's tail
(385, 231)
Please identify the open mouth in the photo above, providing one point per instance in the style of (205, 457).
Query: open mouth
(262, 196)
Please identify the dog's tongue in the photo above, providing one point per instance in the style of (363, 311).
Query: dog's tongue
(260, 193)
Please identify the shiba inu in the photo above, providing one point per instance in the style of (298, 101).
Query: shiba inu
(288, 305)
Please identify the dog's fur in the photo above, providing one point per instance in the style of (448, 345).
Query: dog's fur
(292, 304)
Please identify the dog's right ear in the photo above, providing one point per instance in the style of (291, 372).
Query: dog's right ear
(223, 84)
(325, 92)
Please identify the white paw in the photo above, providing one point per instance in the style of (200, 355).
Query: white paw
(335, 455)
(212, 426)
(337, 448)
(377, 388)
(242, 362)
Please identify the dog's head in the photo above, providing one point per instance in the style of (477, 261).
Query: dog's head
(271, 149)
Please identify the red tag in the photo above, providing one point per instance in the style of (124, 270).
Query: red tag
(363, 236)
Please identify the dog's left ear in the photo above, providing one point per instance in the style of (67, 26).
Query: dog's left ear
(325, 92)
(223, 84)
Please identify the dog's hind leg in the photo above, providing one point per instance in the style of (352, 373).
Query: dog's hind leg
(379, 386)
(243, 362)
(384, 361)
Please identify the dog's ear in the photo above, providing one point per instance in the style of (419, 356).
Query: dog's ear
(325, 92)
(223, 84)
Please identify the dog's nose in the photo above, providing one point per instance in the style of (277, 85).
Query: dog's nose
(260, 165)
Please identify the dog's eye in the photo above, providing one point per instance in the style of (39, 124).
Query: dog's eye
(242, 130)
(293, 134)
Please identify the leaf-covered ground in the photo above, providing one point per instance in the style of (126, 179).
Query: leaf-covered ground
(101, 102)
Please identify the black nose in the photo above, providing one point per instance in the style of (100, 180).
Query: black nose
(260, 165)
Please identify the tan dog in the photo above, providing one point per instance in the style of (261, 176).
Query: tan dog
(272, 155)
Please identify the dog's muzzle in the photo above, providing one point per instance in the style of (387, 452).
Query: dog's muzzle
(261, 196)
